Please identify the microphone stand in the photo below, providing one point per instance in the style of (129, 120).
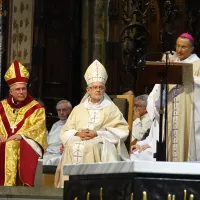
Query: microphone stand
(161, 144)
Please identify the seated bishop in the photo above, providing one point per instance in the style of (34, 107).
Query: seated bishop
(95, 130)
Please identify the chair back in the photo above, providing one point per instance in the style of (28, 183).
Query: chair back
(125, 104)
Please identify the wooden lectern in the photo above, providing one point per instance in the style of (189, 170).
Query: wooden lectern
(154, 71)
(160, 73)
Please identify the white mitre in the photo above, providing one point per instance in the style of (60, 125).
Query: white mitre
(96, 73)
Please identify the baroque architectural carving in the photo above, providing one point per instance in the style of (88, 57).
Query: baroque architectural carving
(133, 40)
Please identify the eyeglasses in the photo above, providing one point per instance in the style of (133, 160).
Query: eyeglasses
(63, 110)
(181, 47)
(138, 106)
(97, 87)
(24, 89)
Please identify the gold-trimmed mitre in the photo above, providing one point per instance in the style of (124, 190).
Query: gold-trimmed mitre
(96, 73)
(16, 73)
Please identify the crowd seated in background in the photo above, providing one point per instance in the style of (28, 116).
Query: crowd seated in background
(54, 150)
(95, 130)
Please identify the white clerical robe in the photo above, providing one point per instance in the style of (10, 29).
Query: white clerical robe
(112, 131)
(53, 155)
(141, 126)
(183, 136)
(183, 120)
(153, 137)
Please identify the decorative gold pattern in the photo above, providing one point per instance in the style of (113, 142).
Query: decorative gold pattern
(21, 23)
(34, 126)
(15, 9)
(19, 54)
(21, 6)
(2, 13)
(21, 37)
(25, 53)
(20, 33)
(26, 22)
(10, 74)
(11, 157)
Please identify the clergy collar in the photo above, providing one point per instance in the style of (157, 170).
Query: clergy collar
(190, 59)
(11, 102)
(99, 105)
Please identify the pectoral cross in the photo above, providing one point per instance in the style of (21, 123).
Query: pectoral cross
(13, 127)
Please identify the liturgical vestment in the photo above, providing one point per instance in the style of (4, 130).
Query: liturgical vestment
(18, 159)
(112, 131)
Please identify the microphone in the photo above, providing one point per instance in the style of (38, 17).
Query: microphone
(169, 52)
(142, 61)
(170, 56)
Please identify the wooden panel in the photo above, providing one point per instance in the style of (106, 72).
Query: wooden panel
(48, 180)
(130, 99)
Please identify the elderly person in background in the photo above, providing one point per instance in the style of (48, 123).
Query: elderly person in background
(146, 148)
(95, 130)
(55, 148)
(142, 122)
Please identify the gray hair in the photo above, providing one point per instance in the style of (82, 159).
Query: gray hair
(143, 98)
(65, 101)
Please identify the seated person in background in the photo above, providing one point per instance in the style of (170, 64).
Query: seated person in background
(145, 149)
(142, 122)
(54, 150)
(22, 130)
(95, 130)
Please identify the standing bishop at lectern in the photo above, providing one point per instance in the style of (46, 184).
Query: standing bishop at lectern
(183, 122)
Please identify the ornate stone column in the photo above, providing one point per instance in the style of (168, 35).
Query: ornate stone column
(3, 14)
(94, 33)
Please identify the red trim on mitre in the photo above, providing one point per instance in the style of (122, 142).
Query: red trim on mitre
(18, 78)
